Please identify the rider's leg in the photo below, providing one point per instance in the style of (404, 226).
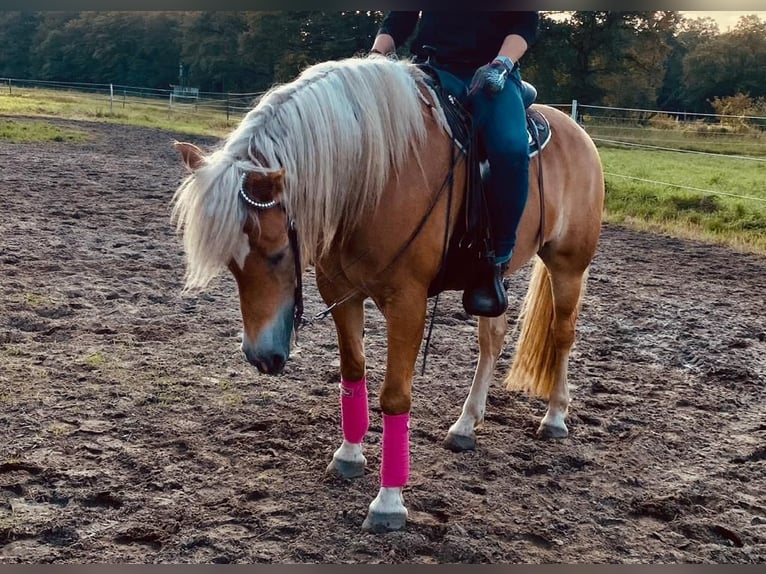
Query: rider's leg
(501, 121)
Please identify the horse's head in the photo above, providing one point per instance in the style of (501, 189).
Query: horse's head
(263, 264)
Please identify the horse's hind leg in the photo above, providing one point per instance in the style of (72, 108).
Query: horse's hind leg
(567, 293)
(461, 435)
(548, 319)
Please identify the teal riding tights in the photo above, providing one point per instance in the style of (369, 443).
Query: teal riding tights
(501, 121)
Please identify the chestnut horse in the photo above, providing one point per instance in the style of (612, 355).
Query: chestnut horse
(342, 168)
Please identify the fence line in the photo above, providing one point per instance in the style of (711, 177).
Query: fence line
(671, 113)
(760, 199)
(689, 151)
(230, 103)
(593, 124)
(88, 86)
(239, 103)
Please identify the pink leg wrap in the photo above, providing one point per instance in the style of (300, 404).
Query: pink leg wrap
(395, 466)
(355, 419)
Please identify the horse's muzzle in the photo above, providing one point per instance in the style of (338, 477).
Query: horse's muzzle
(268, 364)
(269, 350)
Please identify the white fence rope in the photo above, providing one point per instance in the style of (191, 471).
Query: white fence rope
(674, 150)
(676, 114)
(689, 151)
(713, 192)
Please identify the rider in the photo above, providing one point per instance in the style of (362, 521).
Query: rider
(481, 51)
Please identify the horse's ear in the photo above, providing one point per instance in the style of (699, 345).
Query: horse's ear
(191, 154)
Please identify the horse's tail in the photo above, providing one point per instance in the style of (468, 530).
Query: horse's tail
(534, 363)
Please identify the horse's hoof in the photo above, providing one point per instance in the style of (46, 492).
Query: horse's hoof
(346, 468)
(546, 431)
(384, 522)
(459, 442)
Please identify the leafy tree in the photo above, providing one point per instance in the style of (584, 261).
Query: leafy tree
(726, 64)
(273, 44)
(334, 35)
(287, 42)
(595, 38)
(691, 32)
(17, 30)
(550, 62)
(210, 48)
(638, 67)
(602, 57)
(625, 59)
(118, 47)
(62, 56)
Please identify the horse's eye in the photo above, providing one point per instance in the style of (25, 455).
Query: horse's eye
(277, 258)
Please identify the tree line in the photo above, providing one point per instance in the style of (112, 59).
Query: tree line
(654, 60)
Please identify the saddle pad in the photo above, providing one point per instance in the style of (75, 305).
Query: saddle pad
(538, 130)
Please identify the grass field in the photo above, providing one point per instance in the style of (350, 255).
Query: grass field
(37, 131)
(720, 199)
(709, 195)
(146, 112)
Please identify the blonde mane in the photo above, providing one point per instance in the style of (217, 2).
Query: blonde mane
(339, 130)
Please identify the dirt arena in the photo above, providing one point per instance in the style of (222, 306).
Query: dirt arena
(133, 430)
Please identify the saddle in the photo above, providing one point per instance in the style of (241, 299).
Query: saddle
(471, 241)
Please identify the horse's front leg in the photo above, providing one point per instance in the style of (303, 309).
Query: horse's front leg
(405, 319)
(348, 460)
(461, 435)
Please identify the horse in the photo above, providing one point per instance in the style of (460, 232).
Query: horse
(344, 168)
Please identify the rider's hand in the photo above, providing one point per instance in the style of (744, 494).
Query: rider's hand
(491, 77)
(377, 53)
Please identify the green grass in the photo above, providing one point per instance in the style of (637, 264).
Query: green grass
(697, 137)
(145, 112)
(699, 212)
(38, 131)
(95, 360)
(739, 223)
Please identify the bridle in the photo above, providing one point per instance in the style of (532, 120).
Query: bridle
(292, 236)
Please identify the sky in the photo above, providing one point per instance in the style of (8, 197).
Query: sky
(725, 19)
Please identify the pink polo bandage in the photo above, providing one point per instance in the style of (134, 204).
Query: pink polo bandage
(395, 466)
(354, 416)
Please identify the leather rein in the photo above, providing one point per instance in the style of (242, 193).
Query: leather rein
(448, 183)
(292, 234)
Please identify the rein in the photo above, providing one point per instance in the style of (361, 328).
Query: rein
(298, 320)
(292, 234)
(536, 138)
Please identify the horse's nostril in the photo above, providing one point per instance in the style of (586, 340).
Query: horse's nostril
(269, 364)
(277, 363)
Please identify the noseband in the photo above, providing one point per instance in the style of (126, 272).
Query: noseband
(292, 236)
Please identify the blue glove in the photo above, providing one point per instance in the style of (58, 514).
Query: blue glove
(491, 77)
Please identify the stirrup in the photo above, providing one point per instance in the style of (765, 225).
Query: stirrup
(487, 297)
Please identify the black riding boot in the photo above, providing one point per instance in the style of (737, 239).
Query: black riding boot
(486, 297)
